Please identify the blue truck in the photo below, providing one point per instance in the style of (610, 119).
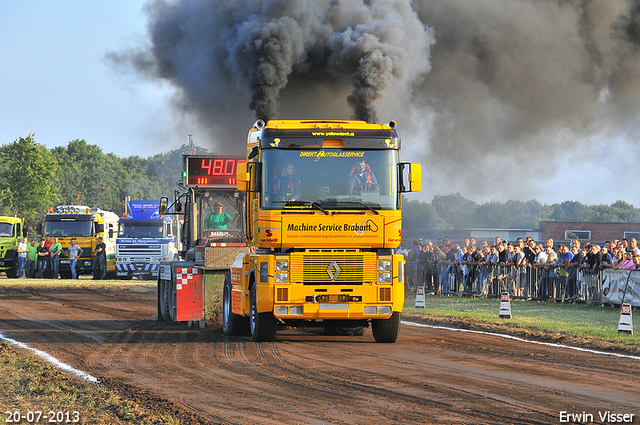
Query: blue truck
(145, 238)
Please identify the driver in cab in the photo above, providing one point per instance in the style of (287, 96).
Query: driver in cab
(218, 220)
(362, 179)
(283, 186)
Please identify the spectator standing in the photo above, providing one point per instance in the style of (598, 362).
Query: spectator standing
(32, 259)
(74, 253)
(54, 253)
(633, 246)
(607, 261)
(48, 242)
(592, 266)
(43, 259)
(403, 250)
(100, 262)
(473, 261)
(22, 256)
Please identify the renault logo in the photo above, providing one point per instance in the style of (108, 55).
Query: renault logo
(333, 270)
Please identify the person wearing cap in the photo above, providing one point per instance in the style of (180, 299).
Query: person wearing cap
(218, 220)
(607, 259)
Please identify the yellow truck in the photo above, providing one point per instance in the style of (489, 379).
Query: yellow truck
(323, 219)
(83, 224)
(11, 231)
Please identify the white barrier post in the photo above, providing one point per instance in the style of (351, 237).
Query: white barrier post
(626, 324)
(505, 306)
(420, 297)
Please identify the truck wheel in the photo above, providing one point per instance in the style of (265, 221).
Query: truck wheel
(386, 330)
(263, 325)
(12, 272)
(232, 324)
(165, 305)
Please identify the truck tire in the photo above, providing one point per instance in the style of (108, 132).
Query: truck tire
(386, 330)
(232, 324)
(165, 303)
(12, 272)
(263, 326)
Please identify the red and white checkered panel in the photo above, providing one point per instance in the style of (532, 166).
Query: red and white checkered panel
(184, 276)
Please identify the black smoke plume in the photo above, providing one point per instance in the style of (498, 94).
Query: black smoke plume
(477, 87)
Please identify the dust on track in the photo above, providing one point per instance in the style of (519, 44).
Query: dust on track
(427, 376)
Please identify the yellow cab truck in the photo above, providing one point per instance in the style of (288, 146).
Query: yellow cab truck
(323, 216)
(11, 231)
(83, 224)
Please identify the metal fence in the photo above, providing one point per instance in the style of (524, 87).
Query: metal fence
(527, 282)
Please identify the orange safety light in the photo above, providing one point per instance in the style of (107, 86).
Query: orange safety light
(50, 210)
(87, 210)
(124, 215)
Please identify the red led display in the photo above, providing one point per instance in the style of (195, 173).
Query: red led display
(212, 171)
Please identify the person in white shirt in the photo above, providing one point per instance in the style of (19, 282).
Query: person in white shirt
(74, 253)
(22, 256)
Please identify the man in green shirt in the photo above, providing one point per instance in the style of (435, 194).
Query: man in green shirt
(32, 257)
(218, 219)
(54, 252)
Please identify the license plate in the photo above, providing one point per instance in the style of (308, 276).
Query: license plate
(65, 261)
(122, 273)
(337, 298)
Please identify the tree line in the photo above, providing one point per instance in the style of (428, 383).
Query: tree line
(34, 178)
(454, 211)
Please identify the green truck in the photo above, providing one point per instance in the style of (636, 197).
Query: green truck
(11, 229)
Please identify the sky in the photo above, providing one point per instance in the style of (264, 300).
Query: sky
(57, 82)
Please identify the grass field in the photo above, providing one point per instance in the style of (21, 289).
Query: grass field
(578, 324)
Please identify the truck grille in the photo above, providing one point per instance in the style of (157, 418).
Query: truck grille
(319, 268)
(154, 250)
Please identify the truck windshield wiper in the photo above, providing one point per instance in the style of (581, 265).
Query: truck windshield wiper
(317, 205)
(362, 204)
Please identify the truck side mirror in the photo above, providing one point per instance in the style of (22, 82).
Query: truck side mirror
(164, 204)
(242, 177)
(415, 177)
(39, 228)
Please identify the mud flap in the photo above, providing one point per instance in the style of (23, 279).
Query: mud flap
(189, 294)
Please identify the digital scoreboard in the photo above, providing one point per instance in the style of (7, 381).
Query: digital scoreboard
(211, 170)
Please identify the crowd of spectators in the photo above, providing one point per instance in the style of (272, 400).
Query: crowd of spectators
(525, 268)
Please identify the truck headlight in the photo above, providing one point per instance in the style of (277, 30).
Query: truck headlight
(282, 277)
(384, 277)
(370, 309)
(281, 310)
(282, 266)
(384, 266)
(384, 309)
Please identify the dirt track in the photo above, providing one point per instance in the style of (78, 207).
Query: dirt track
(428, 376)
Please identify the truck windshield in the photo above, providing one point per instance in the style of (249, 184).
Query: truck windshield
(140, 229)
(6, 230)
(330, 178)
(68, 228)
